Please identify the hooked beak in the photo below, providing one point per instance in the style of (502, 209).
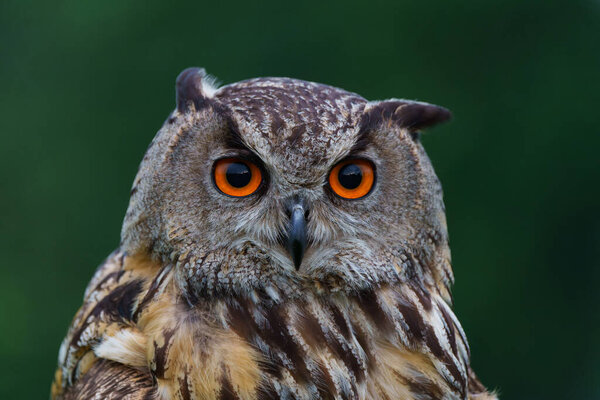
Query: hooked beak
(296, 234)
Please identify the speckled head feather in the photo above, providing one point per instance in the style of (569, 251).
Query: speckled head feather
(297, 131)
(293, 290)
(295, 122)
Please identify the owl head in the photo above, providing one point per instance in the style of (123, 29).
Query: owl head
(270, 184)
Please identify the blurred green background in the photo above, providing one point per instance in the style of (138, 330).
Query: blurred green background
(84, 86)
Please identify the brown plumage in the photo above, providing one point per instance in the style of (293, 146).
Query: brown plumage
(293, 290)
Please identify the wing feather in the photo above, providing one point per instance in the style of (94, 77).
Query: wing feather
(109, 304)
(110, 380)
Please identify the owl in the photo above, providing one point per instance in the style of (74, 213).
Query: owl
(284, 240)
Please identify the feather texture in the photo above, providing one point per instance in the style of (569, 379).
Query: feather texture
(396, 341)
(203, 300)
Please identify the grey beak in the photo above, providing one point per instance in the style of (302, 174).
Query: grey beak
(296, 234)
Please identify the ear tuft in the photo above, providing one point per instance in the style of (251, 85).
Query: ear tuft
(411, 115)
(194, 86)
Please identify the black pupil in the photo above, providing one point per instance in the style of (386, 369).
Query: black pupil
(238, 174)
(350, 176)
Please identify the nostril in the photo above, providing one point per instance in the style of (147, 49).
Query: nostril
(306, 214)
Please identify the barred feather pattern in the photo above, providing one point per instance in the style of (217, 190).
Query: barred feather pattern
(396, 341)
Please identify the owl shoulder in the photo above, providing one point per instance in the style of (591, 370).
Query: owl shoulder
(104, 320)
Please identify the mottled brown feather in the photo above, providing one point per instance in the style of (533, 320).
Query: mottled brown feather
(201, 301)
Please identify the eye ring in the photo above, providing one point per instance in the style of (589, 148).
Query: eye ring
(352, 179)
(236, 177)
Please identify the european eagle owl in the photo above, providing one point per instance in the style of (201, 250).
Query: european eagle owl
(284, 240)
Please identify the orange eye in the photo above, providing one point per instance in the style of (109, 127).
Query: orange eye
(236, 177)
(352, 179)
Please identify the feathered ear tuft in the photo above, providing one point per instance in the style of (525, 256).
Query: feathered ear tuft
(410, 115)
(194, 86)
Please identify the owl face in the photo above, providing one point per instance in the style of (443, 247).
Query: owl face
(279, 180)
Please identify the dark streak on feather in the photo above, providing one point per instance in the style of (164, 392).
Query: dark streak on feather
(324, 383)
(413, 319)
(368, 302)
(361, 338)
(361, 142)
(340, 321)
(424, 297)
(310, 329)
(161, 354)
(116, 305)
(436, 349)
(184, 388)
(233, 139)
(278, 335)
(424, 389)
(449, 327)
(275, 333)
(227, 392)
(349, 358)
(154, 286)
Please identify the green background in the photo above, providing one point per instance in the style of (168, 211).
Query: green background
(85, 85)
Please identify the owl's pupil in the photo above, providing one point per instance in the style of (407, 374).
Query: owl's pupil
(350, 176)
(238, 175)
